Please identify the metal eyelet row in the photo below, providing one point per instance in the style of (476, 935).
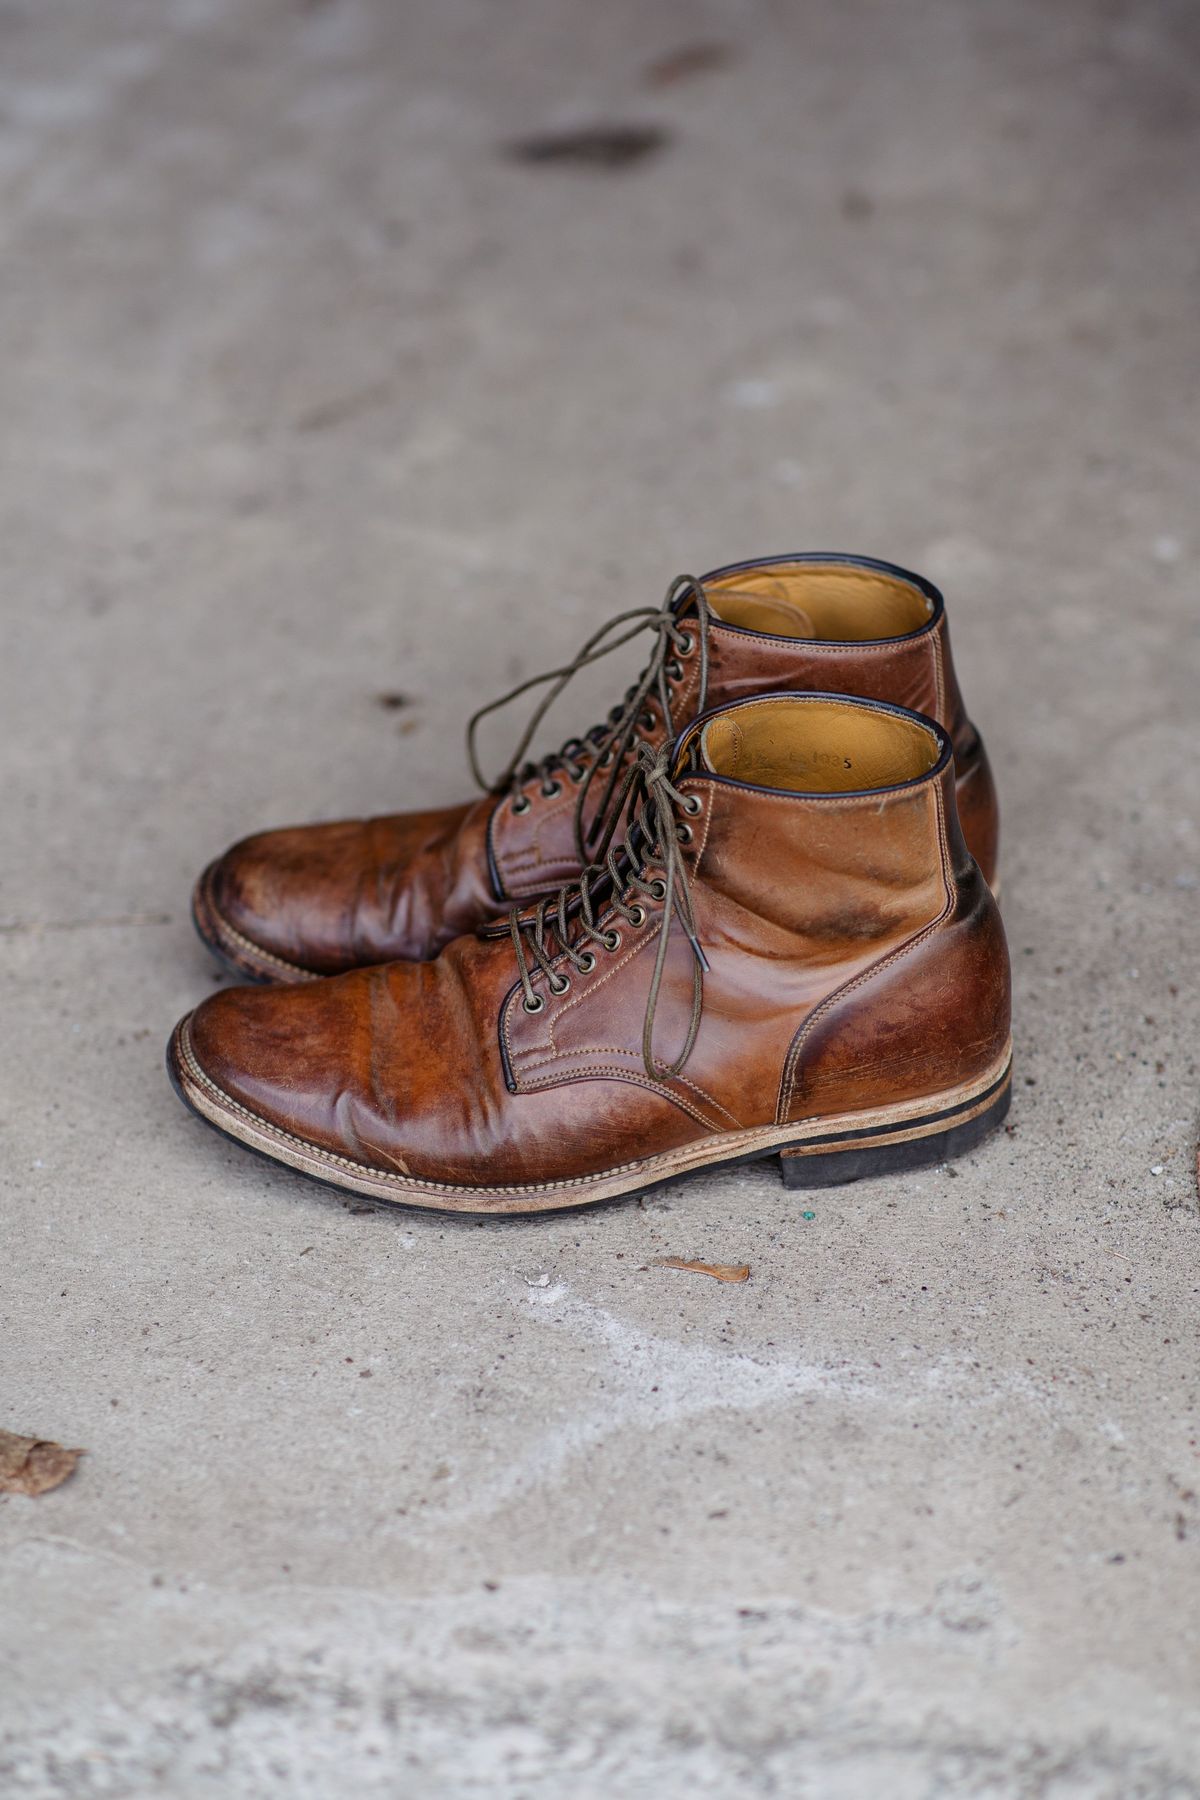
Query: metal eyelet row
(674, 668)
(550, 790)
(611, 939)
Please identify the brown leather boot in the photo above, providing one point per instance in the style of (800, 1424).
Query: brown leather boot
(317, 899)
(789, 953)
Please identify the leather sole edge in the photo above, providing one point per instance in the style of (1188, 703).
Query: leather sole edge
(813, 1153)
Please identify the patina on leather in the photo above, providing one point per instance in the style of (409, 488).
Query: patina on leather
(319, 899)
(787, 949)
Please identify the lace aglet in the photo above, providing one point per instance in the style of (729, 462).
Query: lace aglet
(698, 953)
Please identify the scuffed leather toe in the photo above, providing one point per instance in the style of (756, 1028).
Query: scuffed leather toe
(279, 902)
(286, 1055)
(310, 900)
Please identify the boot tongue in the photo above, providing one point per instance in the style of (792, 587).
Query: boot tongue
(765, 606)
(720, 746)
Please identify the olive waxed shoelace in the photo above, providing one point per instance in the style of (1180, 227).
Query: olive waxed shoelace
(652, 836)
(605, 745)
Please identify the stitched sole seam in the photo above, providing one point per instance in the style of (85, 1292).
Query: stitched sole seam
(663, 1165)
(225, 933)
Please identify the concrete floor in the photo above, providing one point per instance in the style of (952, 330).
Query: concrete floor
(311, 392)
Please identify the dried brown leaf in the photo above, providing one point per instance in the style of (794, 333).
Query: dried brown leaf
(718, 1271)
(33, 1465)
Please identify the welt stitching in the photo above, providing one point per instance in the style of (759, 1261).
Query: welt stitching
(408, 1184)
(229, 930)
(748, 1139)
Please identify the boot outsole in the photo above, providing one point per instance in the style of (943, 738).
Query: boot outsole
(820, 1153)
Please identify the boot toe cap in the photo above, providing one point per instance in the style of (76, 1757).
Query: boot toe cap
(275, 905)
(277, 1054)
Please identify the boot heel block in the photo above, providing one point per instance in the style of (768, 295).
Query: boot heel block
(890, 1149)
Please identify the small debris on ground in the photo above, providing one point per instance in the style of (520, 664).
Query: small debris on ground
(718, 1271)
(689, 60)
(591, 146)
(33, 1465)
(392, 702)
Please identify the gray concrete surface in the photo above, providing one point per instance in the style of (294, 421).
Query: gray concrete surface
(311, 392)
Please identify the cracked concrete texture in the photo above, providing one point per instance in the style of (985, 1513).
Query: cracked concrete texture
(312, 392)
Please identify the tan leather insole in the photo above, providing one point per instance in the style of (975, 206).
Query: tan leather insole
(819, 600)
(817, 746)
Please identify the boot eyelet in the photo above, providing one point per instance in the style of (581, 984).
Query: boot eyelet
(576, 774)
(535, 1005)
(658, 890)
(586, 963)
(675, 670)
(551, 789)
(686, 644)
(693, 804)
(637, 916)
(522, 803)
(611, 940)
(685, 834)
(647, 721)
(559, 985)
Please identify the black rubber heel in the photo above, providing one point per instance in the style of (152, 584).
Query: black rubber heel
(816, 1167)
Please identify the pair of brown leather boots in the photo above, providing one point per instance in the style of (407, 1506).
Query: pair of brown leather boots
(750, 915)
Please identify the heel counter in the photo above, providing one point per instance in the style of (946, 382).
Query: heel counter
(932, 1016)
(978, 807)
